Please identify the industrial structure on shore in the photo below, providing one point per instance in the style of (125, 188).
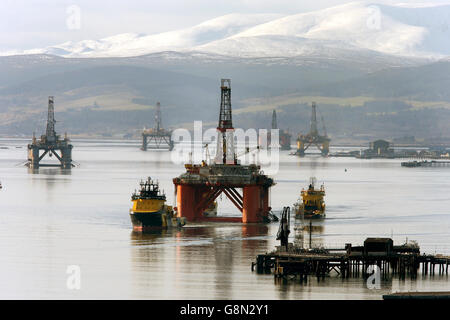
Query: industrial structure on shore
(201, 184)
(157, 137)
(322, 142)
(378, 149)
(50, 143)
(382, 149)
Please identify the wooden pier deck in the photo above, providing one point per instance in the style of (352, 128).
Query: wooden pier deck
(351, 262)
(425, 163)
(417, 295)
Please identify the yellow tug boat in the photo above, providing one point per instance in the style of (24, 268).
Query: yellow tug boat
(312, 205)
(149, 209)
(211, 211)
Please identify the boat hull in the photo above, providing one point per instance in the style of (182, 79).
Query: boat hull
(150, 220)
(314, 215)
(300, 212)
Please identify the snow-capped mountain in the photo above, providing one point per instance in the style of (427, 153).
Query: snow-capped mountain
(351, 26)
(402, 30)
(133, 44)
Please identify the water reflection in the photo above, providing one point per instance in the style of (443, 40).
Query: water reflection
(252, 231)
(309, 233)
(49, 180)
(50, 171)
(140, 238)
(208, 253)
(313, 162)
(224, 254)
(59, 222)
(333, 286)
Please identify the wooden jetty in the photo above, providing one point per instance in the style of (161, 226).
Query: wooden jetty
(417, 295)
(425, 163)
(351, 261)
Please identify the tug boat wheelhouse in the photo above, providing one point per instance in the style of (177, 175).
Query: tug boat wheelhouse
(149, 210)
(312, 205)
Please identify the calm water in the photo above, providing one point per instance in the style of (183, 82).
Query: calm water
(53, 219)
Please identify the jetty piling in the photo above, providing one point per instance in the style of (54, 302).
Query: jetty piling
(353, 261)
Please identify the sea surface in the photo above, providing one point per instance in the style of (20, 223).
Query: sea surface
(53, 219)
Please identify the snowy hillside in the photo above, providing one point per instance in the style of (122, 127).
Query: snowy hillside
(131, 44)
(402, 30)
(385, 29)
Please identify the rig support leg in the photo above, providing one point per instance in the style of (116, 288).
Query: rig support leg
(251, 204)
(144, 142)
(300, 148)
(325, 148)
(66, 157)
(33, 157)
(265, 195)
(186, 202)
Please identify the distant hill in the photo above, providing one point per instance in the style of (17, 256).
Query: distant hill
(116, 96)
(426, 83)
(374, 70)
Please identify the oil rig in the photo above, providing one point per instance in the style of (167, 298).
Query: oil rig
(157, 137)
(284, 142)
(201, 184)
(284, 136)
(313, 137)
(50, 143)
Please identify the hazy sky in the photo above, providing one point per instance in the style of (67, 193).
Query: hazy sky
(27, 24)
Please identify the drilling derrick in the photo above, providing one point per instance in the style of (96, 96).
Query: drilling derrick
(225, 153)
(50, 132)
(313, 131)
(50, 143)
(157, 137)
(322, 142)
(202, 184)
(158, 121)
(274, 120)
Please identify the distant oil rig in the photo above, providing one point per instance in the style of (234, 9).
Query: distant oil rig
(50, 143)
(157, 137)
(284, 137)
(201, 184)
(322, 142)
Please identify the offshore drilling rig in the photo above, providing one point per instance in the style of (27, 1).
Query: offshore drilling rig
(284, 136)
(200, 185)
(313, 137)
(50, 143)
(284, 142)
(156, 137)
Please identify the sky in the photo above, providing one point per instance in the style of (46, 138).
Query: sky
(28, 24)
